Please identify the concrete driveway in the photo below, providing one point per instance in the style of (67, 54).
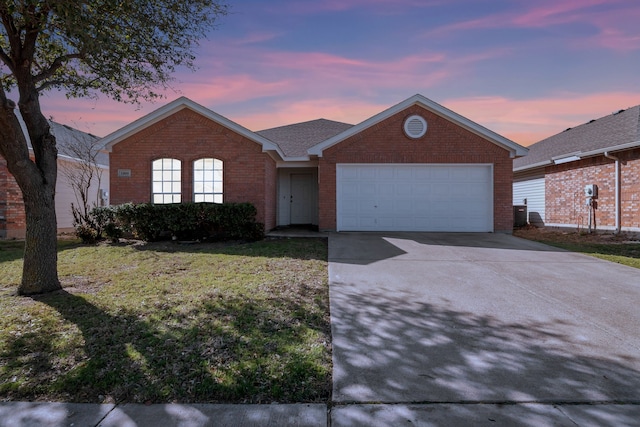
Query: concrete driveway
(430, 318)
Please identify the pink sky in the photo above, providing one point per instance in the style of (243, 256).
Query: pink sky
(526, 70)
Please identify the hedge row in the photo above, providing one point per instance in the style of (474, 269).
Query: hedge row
(182, 221)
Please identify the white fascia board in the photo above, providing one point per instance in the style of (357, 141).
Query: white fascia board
(77, 160)
(173, 107)
(533, 166)
(620, 147)
(516, 150)
(304, 159)
(567, 159)
(297, 164)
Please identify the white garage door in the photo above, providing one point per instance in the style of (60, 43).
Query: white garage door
(419, 197)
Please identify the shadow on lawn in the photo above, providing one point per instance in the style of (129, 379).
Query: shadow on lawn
(296, 248)
(248, 356)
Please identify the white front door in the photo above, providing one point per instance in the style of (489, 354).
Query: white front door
(301, 198)
(414, 197)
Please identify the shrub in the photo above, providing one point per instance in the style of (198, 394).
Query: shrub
(184, 221)
(86, 233)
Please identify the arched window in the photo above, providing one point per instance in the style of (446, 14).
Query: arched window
(207, 180)
(166, 181)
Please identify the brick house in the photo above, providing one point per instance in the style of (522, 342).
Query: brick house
(416, 166)
(551, 179)
(12, 216)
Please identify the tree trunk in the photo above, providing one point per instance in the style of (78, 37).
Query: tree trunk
(40, 269)
(40, 274)
(37, 179)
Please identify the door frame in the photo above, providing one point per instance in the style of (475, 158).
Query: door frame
(284, 194)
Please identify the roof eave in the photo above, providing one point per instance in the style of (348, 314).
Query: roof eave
(173, 107)
(514, 149)
(297, 159)
(579, 155)
(619, 147)
(533, 166)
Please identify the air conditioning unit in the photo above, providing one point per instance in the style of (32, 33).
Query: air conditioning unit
(591, 190)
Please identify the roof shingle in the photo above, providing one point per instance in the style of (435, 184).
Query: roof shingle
(622, 127)
(294, 140)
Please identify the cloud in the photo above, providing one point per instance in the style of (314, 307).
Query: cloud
(257, 37)
(524, 121)
(339, 109)
(616, 30)
(232, 88)
(527, 121)
(250, 72)
(99, 117)
(614, 22)
(371, 6)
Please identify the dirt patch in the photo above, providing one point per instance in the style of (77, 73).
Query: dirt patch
(530, 232)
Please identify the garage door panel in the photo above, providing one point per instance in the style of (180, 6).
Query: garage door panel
(421, 190)
(421, 174)
(405, 174)
(415, 197)
(385, 174)
(386, 187)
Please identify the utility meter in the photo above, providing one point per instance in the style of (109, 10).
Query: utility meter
(591, 190)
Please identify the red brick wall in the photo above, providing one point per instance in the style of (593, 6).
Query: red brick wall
(444, 143)
(248, 176)
(11, 205)
(564, 187)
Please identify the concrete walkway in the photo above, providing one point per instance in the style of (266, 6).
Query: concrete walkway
(444, 330)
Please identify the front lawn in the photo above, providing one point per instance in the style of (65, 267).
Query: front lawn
(622, 248)
(163, 322)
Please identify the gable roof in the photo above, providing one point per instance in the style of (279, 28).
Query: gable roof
(294, 140)
(70, 142)
(617, 131)
(73, 143)
(514, 149)
(177, 105)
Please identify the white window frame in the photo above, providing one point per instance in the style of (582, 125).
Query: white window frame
(208, 180)
(166, 181)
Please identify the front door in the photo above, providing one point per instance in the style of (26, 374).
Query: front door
(301, 198)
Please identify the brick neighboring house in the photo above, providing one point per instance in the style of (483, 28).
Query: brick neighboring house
(416, 166)
(12, 216)
(551, 179)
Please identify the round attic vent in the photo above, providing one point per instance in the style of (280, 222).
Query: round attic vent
(415, 126)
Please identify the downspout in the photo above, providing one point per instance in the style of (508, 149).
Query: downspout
(617, 160)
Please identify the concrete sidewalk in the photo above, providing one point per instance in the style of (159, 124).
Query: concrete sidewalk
(23, 414)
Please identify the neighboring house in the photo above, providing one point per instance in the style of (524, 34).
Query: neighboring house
(12, 217)
(416, 166)
(551, 179)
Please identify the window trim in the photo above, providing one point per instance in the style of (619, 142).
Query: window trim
(214, 184)
(171, 196)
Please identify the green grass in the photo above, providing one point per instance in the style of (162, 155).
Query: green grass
(170, 323)
(621, 253)
(603, 246)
